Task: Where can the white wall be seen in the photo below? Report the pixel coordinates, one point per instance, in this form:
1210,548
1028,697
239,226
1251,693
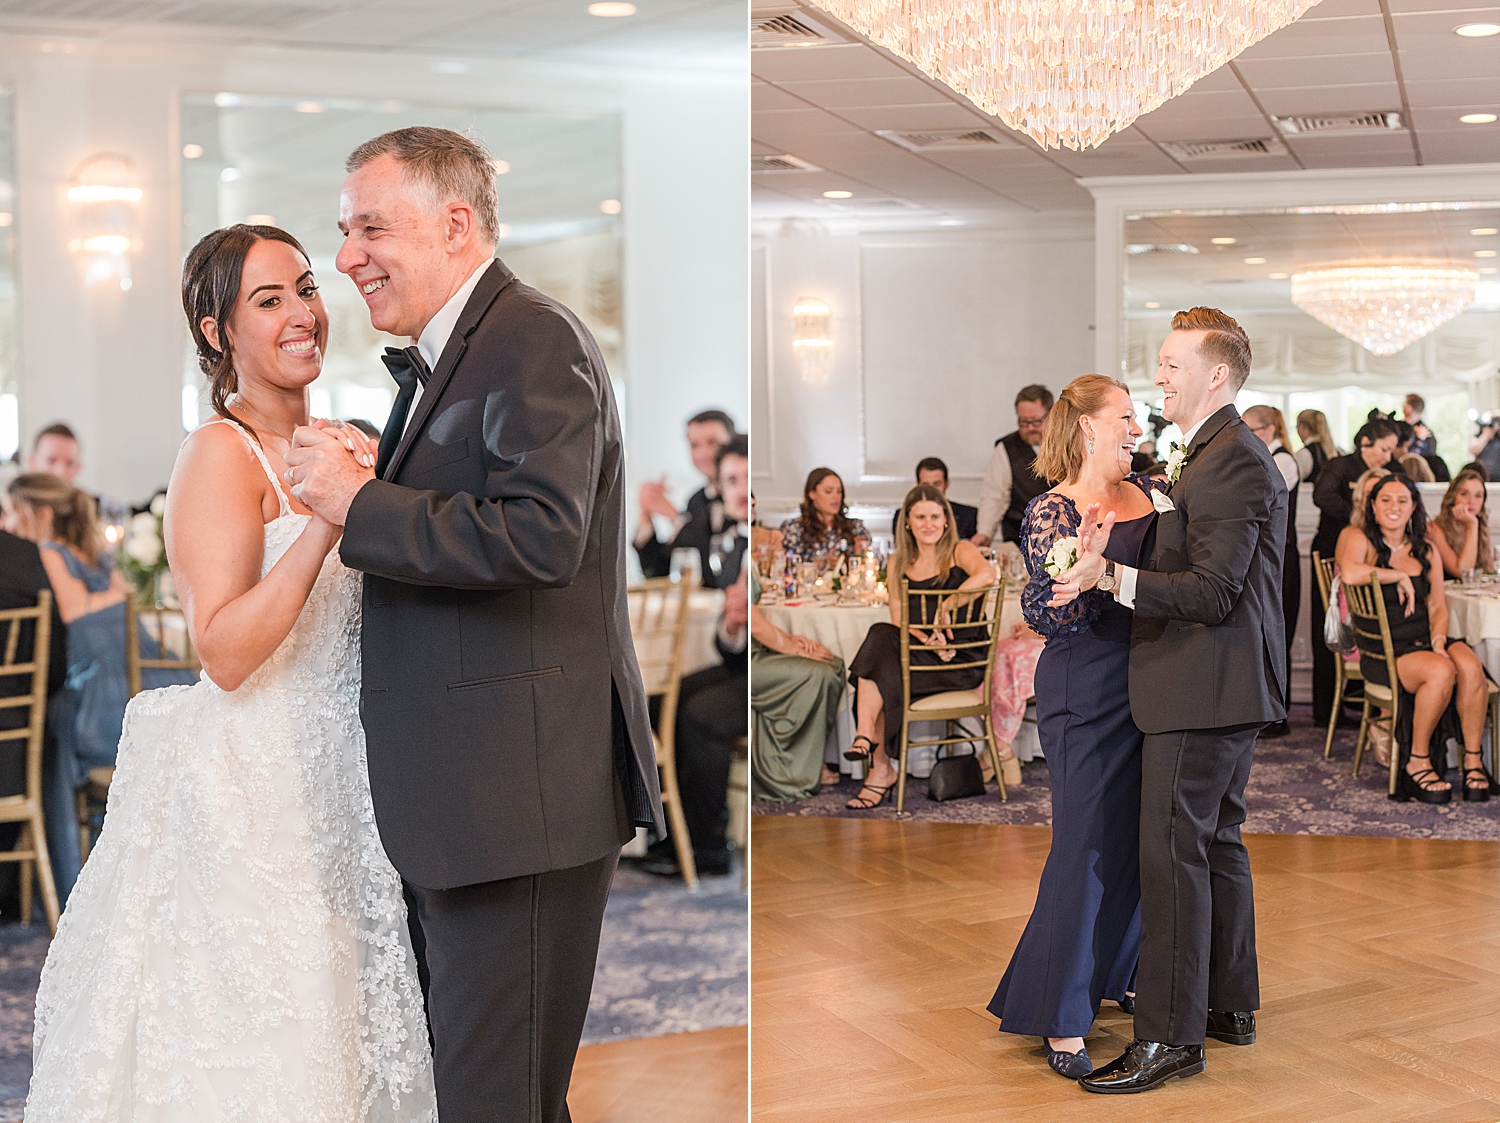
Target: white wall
934,332
110,362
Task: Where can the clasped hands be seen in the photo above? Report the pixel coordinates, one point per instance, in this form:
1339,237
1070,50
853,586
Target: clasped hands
1093,537
327,463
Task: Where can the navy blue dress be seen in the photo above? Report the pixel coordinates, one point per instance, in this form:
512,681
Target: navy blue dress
1081,943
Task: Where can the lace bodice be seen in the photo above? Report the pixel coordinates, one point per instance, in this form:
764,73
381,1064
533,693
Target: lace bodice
1048,517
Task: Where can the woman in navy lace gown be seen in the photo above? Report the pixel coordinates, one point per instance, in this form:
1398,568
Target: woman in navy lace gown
1081,943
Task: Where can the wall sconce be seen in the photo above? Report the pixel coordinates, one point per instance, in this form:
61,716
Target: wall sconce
105,194
812,337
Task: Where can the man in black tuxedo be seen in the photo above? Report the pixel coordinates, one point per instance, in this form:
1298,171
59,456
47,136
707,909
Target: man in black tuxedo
704,517
1207,672
931,470
509,751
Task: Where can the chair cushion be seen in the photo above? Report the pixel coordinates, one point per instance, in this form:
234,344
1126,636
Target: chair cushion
1378,692
948,700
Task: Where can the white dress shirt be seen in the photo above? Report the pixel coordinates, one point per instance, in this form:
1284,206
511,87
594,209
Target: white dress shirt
435,335
1125,574
1287,463
994,494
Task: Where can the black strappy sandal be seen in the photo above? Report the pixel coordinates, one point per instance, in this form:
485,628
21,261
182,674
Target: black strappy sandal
1413,785
860,803
851,754
1476,792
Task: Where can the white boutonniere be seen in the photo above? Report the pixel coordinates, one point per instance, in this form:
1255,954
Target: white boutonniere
1175,461
1062,557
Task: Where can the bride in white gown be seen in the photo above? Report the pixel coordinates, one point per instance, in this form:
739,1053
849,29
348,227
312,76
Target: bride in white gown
236,947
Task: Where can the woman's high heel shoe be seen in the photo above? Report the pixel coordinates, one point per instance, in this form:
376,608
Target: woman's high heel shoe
1476,785
1412,785
853,753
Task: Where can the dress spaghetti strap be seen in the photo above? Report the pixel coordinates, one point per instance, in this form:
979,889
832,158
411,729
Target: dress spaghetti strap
286,506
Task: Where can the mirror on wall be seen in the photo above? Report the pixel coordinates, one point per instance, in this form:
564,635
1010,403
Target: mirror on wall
1348,308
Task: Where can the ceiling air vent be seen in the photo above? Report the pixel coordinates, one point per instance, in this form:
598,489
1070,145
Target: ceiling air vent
783,27
930,139
888,205
1157,247
1340,124
1190,150
785,162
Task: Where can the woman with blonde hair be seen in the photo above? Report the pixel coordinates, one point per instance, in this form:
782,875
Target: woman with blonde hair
930,555
1461,529
1082,941
1317,444
87,714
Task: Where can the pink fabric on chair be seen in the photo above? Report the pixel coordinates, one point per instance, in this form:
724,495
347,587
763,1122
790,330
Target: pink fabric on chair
1014,682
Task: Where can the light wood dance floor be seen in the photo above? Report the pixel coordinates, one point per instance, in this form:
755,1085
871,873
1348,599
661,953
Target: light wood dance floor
678,1078
875,946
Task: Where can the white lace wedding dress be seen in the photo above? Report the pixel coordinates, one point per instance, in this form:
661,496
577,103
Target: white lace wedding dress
236,948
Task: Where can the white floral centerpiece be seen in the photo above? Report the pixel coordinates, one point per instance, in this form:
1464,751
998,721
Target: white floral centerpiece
143,554
1062,557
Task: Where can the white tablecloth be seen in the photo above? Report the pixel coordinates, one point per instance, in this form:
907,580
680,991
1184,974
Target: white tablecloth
1474,617
841,629
698,650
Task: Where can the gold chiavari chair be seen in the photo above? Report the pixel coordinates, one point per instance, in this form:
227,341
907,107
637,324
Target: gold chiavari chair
1372,631
168,626
1345,671
977,609
658,625
26,808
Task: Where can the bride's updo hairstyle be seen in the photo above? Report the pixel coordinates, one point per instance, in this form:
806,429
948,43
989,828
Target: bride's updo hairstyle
211,288
1060,458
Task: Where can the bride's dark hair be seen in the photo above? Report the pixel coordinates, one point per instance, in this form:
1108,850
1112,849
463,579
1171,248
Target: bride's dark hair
210,288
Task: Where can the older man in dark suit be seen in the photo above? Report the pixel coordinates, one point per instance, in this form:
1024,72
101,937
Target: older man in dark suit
1207,673
509,750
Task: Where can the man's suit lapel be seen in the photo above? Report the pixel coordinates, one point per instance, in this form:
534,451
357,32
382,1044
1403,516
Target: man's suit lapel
495,279
1206,432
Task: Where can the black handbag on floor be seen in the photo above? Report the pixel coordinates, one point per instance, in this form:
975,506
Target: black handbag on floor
955,777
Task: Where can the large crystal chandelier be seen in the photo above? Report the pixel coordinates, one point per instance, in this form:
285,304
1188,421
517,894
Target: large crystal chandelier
1068,73
1384,306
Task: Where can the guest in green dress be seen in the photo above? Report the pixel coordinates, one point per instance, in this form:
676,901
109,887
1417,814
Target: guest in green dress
796,689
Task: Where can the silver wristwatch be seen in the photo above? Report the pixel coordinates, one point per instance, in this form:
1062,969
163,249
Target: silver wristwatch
1107,582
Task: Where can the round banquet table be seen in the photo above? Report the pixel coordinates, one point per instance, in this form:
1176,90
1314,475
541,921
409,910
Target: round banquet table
1474,617
841,629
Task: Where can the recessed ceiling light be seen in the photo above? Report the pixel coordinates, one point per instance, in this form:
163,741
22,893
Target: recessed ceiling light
609,8
501,167
838,194
1483,231
1255,261
1222,241
193,151
1277,276
1489,269
1153,304
1484,253
309,107
1477,30
610,206
1478,118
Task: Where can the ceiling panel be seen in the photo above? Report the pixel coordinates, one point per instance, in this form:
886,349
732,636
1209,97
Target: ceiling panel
1327,70
854,93
945,115
1244,127
1305,100
1319,38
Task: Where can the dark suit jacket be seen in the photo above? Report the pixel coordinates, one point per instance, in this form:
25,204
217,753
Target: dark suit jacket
705,518
502,702
1208,643
965,520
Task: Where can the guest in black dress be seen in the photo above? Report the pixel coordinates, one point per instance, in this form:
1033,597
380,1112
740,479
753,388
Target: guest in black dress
1081,943
1434,670
930,555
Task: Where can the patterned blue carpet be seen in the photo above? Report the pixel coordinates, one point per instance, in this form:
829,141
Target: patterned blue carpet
670,961
1292,790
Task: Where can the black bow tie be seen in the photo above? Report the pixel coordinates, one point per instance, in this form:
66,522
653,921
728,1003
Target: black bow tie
406,365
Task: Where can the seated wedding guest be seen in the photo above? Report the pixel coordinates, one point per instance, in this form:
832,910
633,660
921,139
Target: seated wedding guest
711,712
1267,423
22,577
1374,444
1478,468
1434,670
796,690
933,471
1317,444
1417,469
930,555
87,715
56,450
823,529
695,526
1461,529
1010,481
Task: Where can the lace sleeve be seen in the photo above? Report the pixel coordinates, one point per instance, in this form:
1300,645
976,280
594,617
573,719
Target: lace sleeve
1049,517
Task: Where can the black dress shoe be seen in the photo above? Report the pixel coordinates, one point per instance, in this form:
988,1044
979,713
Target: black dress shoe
1143,1066
708,863
1234,1026
1274,730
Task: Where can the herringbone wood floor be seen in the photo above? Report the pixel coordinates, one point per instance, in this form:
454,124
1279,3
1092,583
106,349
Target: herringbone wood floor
679,1078
876,945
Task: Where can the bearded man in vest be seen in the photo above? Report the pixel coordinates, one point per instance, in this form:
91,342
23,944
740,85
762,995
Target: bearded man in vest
1009,481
